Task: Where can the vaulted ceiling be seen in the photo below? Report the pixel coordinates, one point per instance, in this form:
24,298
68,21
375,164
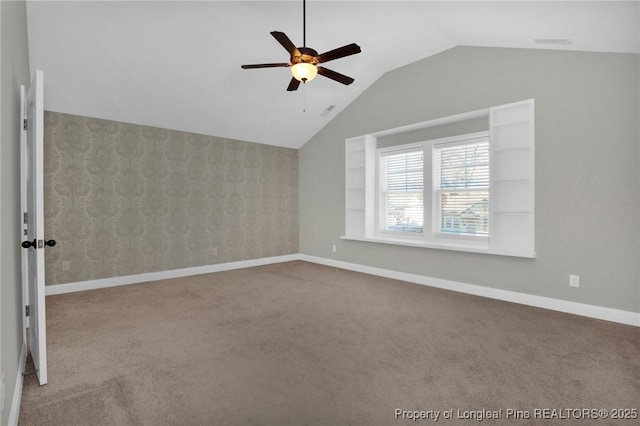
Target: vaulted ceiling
177,64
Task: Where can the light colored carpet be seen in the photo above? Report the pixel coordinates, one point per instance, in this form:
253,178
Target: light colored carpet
298,343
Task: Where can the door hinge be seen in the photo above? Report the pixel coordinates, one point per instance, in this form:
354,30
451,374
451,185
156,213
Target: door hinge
25,216
26,310
24,124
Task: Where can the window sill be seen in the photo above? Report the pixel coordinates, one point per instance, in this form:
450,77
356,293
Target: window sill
442,246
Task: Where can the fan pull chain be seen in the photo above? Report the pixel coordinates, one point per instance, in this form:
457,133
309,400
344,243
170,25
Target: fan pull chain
304,96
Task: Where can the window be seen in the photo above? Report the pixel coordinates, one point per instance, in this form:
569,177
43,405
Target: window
402,188
473,192
461,187
449,191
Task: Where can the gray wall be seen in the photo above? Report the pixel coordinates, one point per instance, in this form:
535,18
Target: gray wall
14,72
587,169
436,132
124,199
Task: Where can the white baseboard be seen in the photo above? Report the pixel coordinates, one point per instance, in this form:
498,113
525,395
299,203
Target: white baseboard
591,311
17,390
582,309
163,275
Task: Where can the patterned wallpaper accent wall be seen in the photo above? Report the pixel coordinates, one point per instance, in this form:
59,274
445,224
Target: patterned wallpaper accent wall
124,199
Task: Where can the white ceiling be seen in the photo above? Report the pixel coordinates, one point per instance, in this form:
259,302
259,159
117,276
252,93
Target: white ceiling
177,64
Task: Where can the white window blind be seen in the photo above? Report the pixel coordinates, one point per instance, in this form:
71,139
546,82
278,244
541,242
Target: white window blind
403,191
461,188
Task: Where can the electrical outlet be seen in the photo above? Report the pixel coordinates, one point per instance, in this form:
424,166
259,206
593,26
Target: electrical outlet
214,251
66,265
574,280
333,248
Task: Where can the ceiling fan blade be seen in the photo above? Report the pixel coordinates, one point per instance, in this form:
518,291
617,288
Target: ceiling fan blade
286,43
340,52
340,78
293,85
248,67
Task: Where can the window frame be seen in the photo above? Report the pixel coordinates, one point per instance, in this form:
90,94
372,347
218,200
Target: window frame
460,140
430,234
380,205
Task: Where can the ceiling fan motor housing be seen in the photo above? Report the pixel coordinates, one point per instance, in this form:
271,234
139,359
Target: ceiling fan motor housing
307,55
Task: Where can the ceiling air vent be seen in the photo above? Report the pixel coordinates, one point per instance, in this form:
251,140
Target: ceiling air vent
556,41
328,110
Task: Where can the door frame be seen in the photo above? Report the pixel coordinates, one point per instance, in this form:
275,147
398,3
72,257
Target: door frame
23,210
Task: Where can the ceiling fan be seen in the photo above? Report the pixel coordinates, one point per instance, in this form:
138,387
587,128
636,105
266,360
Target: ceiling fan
304,60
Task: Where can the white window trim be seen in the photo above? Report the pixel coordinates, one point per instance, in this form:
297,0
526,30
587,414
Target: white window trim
453,141
441,245
379,231
430,237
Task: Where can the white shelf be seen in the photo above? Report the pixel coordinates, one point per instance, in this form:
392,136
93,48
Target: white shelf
512,123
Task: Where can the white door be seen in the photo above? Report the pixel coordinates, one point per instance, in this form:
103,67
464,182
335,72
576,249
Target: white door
32,171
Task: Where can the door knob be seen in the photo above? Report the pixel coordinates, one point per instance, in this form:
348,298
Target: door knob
27,244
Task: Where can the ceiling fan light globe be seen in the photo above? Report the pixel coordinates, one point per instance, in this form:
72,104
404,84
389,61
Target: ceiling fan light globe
303,71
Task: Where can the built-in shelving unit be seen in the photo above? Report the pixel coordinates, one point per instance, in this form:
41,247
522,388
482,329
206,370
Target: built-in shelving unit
511,130
359,185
